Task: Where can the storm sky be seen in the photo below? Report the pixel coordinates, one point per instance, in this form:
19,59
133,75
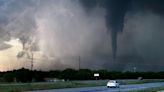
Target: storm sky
104,34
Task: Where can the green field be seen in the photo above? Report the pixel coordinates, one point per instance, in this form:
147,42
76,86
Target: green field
69,84
125,82
29,86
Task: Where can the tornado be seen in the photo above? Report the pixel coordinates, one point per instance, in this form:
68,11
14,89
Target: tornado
115,14
116,11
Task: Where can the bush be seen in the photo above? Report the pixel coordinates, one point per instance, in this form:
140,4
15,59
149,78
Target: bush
9,77
68,74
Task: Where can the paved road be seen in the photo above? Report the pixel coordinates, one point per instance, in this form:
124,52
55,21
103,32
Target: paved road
105,89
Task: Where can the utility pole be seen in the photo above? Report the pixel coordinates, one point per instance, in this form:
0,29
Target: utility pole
79,62
134,69
32,61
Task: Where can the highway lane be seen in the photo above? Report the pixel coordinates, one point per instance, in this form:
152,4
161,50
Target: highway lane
104,88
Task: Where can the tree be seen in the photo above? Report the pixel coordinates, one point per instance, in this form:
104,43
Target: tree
9,77
24,75
84,74
68,74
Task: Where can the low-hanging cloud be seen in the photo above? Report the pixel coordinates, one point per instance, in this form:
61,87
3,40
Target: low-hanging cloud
63,31
59,32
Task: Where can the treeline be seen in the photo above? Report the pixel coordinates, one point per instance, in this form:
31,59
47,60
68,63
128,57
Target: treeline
26,75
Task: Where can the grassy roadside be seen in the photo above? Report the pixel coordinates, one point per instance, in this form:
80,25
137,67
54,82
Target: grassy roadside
125,82
70,84
29,86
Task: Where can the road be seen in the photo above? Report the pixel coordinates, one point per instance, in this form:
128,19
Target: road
105,89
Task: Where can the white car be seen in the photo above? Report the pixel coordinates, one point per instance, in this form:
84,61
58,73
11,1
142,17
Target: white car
113,84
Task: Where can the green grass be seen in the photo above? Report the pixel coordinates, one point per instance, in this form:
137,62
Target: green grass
125,82
27,87
70,84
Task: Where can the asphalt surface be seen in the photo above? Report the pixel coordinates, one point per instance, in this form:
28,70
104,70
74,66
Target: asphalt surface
105,89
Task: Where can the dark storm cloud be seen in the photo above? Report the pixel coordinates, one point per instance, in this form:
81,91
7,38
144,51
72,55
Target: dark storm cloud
116,10
121,14
133,29
4,46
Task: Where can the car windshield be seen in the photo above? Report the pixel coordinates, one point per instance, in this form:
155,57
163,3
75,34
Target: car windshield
112,81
